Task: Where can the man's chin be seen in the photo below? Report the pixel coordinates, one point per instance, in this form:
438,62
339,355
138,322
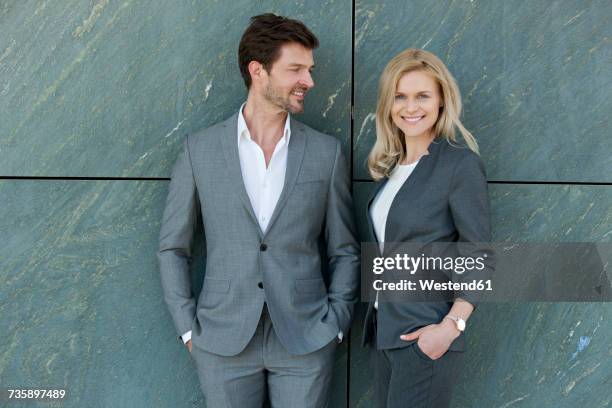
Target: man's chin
296,108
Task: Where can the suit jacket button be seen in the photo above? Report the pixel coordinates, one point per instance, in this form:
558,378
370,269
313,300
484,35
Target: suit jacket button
260,285
263,247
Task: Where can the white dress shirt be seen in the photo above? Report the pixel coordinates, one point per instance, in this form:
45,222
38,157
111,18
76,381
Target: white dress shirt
379,210
263,184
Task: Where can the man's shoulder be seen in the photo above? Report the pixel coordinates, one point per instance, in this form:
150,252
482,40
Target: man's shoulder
215,131
318,138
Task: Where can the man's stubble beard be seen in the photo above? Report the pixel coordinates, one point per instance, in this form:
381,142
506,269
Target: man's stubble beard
271,95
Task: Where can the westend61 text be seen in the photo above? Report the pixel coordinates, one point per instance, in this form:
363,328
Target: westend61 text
431,285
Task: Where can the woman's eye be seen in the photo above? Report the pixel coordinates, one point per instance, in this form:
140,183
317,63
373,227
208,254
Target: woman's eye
400,97
423,96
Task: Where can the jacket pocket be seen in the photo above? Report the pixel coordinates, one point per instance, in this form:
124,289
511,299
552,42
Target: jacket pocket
308,181
216,285
315,285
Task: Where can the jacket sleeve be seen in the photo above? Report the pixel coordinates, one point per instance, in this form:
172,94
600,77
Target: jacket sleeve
469,206
342,245
175,241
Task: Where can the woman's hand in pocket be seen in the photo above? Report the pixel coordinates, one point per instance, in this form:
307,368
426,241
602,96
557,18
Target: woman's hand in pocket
435,339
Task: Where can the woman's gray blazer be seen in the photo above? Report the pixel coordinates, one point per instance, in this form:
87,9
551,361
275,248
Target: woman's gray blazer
444,200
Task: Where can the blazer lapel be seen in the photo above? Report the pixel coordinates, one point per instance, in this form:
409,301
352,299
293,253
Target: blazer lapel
379,185
372,238
295,156
230,151
420,174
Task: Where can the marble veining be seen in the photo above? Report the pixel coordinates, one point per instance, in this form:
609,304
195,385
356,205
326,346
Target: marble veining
530,354
533,79
125,81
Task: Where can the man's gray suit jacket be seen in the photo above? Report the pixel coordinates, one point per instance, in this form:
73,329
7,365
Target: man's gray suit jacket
305,266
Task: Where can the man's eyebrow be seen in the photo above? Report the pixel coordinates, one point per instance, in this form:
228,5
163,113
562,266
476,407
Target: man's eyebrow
296,64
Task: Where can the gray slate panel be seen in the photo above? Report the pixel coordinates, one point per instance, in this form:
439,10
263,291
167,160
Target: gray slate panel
533,78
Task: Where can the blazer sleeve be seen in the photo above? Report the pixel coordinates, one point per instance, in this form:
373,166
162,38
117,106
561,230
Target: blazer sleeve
469,206
342,245
175,241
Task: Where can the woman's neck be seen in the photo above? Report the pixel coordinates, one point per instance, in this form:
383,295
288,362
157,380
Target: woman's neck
416,147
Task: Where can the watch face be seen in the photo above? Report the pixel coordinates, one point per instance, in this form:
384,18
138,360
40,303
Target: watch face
461,324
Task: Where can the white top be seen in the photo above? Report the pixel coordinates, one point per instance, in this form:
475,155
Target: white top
263,184
379,210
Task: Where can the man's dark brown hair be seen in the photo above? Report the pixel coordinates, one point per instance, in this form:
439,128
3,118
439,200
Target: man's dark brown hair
264,37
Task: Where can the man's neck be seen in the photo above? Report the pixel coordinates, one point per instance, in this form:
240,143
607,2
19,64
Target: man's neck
266,122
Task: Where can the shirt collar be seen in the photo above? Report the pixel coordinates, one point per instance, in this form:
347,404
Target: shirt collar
243,130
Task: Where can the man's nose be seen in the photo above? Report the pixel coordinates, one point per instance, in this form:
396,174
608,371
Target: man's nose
307,80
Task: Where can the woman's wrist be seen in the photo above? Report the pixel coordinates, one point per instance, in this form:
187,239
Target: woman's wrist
450,327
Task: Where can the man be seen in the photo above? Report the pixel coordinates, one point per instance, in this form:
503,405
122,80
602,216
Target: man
272,194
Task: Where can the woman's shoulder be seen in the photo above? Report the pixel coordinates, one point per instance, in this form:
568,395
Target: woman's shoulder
456,150
459,157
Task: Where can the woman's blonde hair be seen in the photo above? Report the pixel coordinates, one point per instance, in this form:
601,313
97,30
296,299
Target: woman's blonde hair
390,148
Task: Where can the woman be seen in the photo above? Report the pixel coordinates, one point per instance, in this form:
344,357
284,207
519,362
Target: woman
430,189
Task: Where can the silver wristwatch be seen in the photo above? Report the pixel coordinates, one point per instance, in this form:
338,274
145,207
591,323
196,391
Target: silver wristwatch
459,322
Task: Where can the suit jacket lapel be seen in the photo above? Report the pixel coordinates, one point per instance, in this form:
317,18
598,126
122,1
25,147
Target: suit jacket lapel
420,174
373,238
379,185
230,151
295,156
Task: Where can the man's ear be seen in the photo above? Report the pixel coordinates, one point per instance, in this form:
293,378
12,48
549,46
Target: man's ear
256,70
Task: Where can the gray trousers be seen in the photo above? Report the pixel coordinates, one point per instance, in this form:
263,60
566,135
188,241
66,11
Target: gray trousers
407,378
265,370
